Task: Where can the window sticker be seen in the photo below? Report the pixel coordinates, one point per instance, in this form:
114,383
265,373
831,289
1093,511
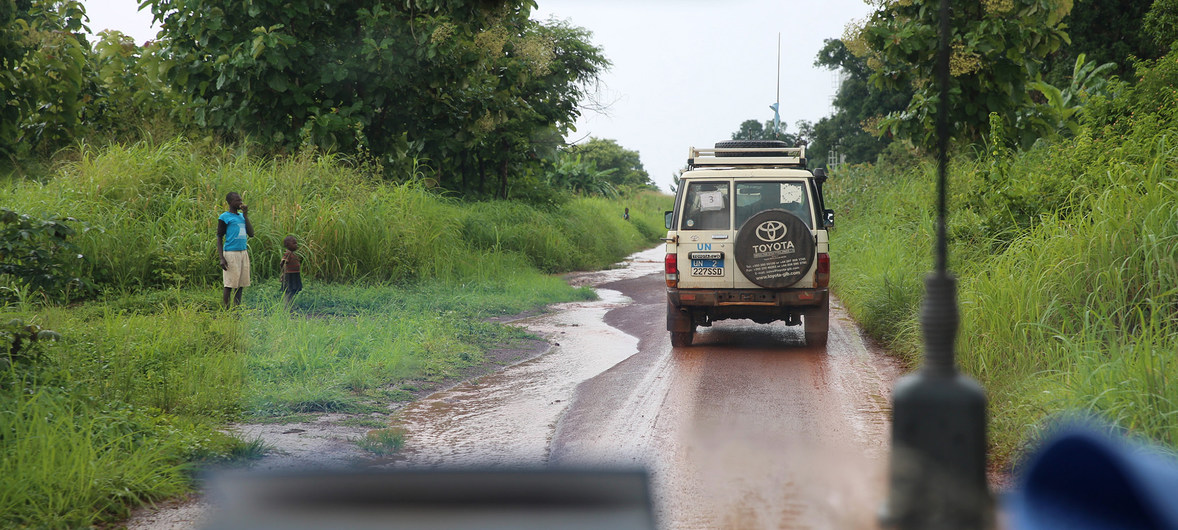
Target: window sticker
791,193
711,201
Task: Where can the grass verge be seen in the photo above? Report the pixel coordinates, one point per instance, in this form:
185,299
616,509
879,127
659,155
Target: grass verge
399,285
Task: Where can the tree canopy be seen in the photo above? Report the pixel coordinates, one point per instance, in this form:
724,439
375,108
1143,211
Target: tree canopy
996,48
625,165
473,88
43,77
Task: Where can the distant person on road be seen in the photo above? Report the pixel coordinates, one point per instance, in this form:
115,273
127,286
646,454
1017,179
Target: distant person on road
233,229
292,280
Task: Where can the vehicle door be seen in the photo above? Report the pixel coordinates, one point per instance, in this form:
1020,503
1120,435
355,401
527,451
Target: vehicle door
706,235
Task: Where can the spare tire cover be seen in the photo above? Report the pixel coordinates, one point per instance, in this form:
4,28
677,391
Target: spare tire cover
774,249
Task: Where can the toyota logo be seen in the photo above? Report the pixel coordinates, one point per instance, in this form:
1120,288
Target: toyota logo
770,231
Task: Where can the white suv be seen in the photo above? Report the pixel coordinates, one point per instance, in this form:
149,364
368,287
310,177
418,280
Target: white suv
748,239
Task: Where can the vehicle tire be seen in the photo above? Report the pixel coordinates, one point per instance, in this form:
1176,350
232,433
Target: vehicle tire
757,144
816,323
774,249
681,326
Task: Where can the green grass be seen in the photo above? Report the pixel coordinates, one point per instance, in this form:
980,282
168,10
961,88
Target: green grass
368,423
383,441
1073,308
128,405
151,212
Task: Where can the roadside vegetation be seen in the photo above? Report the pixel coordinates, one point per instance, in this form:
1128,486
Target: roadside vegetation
1067,256
146,368
423,171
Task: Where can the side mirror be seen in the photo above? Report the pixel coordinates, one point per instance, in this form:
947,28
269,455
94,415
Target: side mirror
828,218
667,218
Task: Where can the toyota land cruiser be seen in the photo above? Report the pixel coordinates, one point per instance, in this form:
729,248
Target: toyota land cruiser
748,239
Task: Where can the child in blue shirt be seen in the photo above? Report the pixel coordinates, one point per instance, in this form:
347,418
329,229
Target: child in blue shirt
233,229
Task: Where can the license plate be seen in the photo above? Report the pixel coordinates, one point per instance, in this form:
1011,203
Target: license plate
707,263
707,271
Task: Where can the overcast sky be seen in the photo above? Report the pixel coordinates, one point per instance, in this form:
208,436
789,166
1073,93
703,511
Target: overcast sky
685,72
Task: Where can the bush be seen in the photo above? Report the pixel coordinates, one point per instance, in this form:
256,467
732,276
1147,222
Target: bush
36,254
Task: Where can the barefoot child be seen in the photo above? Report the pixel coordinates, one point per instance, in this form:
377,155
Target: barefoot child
292,281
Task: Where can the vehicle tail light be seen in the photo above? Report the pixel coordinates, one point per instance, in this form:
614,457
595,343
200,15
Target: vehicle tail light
822,273
671,268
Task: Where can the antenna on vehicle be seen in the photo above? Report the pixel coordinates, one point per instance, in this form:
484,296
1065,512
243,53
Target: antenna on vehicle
777,103
938,463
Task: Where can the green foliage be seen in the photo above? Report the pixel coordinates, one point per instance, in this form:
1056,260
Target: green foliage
624,165
582,177
1151,104
71,456
1161,24
1105,32
473,87
71,463
129,100
163,201
22,345
35,254
383,441
850,133
43,57
141,380
1067,256
754,130
1061,111
996,47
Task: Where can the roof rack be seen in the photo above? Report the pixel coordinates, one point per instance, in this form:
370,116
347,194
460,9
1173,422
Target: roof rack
747,156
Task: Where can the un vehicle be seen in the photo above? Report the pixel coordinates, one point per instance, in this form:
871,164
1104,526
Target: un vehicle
748,240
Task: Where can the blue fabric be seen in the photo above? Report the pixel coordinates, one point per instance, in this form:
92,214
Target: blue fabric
235,235
1083,479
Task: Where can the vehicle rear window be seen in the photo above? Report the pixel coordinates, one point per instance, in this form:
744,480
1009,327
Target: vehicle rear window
706,206
755,197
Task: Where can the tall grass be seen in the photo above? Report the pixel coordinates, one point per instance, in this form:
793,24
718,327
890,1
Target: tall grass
152,210
399,283
1073,309
70,464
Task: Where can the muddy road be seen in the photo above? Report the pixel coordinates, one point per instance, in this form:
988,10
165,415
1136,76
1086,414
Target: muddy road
749,428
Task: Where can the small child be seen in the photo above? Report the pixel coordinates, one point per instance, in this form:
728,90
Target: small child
292,281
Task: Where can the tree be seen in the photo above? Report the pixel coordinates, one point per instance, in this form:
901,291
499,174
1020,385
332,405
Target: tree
851,132
470,85
997,46
606,155
43,58
128,94
572,173
1105,31
755,130
1160,24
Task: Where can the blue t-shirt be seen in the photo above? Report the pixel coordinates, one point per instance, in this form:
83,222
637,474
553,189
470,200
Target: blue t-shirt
235,234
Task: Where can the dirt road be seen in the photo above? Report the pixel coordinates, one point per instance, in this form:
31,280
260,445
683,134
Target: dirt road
749,428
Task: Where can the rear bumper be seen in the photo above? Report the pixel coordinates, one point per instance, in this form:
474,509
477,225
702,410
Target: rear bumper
749,298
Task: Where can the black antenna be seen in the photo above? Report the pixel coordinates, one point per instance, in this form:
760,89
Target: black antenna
937,476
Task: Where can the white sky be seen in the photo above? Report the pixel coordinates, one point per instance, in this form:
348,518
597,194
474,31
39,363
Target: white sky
685,72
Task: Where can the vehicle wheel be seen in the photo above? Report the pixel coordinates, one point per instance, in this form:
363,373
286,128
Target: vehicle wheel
774,249
681,326
816,322
756,144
